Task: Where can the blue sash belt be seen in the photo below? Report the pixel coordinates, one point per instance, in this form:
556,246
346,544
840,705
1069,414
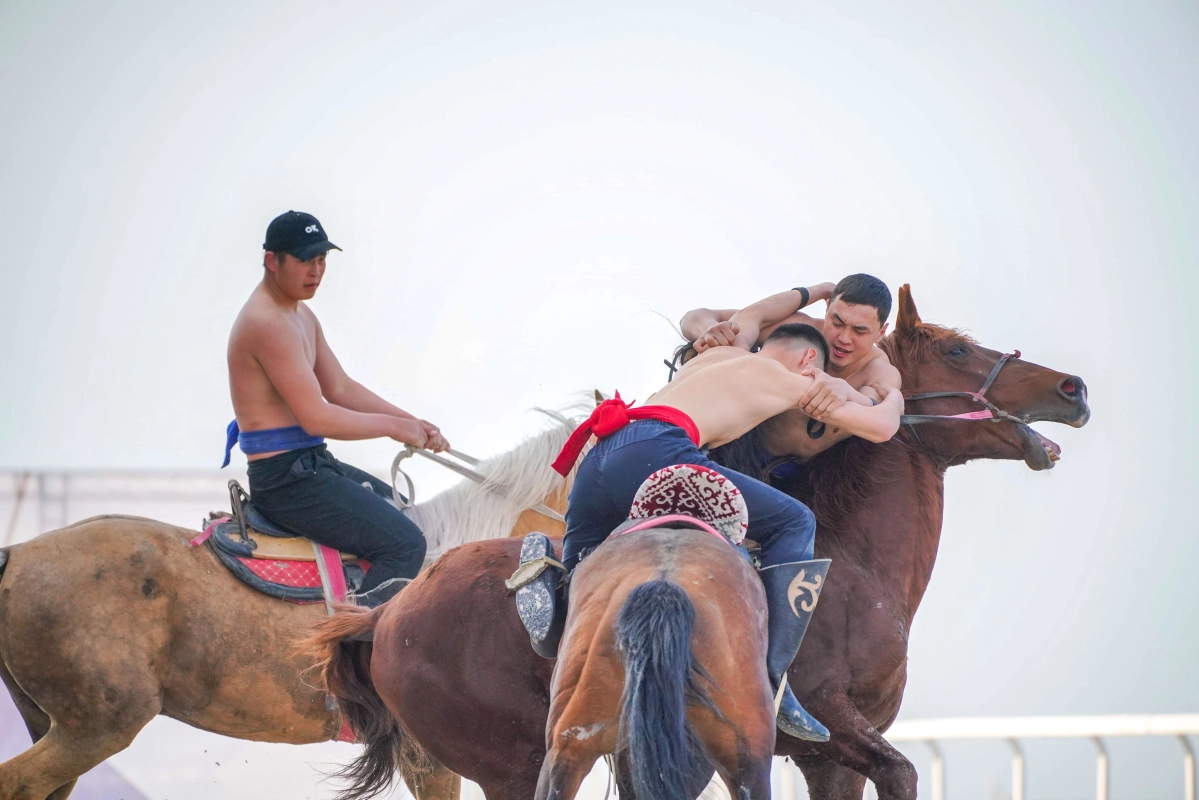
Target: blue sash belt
267,441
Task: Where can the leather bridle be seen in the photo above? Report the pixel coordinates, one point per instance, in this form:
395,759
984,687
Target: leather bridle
990,412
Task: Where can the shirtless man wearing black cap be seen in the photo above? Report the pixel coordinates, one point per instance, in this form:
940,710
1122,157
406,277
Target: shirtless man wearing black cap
289,393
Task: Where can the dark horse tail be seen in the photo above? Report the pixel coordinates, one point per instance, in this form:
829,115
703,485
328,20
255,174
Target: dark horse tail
343,667
653,631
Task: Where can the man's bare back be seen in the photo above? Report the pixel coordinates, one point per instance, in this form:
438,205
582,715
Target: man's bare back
727,392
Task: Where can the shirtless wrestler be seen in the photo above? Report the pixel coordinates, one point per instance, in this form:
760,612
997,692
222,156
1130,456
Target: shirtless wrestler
854,321
289,393
715,398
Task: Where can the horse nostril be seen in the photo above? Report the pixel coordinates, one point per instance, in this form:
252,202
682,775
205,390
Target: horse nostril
1073,388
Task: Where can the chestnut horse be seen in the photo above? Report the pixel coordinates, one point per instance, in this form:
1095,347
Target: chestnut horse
469,688
664,659
110,621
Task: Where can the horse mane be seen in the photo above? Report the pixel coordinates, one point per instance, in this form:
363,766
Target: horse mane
836,482
514,481
917,344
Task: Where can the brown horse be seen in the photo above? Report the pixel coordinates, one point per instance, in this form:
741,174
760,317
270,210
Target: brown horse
111,621
469,688
664,659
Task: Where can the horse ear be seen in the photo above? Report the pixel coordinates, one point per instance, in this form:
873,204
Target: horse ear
599,397
908,317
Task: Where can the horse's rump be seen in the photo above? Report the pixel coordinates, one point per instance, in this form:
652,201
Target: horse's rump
663,660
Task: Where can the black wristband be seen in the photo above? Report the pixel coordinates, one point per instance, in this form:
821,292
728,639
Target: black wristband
803,294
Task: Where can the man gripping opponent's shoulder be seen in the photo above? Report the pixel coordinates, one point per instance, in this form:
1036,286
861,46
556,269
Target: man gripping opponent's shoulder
715,398
854,322
290,392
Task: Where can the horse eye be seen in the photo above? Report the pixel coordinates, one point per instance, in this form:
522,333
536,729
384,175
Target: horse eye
957,351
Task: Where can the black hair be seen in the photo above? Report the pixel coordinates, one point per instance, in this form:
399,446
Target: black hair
803,333
865,290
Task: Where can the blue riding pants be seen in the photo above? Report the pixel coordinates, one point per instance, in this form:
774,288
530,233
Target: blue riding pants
613,471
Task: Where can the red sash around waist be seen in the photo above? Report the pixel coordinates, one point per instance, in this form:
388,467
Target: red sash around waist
609,417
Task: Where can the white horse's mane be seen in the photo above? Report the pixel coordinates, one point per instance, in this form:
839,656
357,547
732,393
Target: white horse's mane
515,481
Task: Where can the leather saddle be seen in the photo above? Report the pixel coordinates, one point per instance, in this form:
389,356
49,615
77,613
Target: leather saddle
270,558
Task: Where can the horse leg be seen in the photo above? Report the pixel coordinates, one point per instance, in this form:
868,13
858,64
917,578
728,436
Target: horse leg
38,725
49,768
750,782
831,781
438,783
519,786
64,750
743,760
856,744
36,722
562,772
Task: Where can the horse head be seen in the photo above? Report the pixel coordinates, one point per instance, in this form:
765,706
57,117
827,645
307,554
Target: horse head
947,375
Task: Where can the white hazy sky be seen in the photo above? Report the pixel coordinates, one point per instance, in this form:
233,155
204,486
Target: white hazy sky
522,189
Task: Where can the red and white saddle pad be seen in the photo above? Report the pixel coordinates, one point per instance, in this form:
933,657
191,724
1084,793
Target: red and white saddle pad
697,492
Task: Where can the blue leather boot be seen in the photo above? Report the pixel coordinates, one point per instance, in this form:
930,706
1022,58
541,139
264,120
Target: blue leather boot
540,600
791,594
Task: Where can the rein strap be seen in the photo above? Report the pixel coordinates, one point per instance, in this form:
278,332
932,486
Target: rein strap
464,471
992,413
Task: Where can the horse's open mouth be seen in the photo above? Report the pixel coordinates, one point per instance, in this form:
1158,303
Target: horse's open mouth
1039,452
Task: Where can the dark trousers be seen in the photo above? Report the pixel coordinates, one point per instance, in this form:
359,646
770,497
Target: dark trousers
313,494
614,470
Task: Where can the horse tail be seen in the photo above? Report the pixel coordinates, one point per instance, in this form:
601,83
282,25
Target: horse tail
343,667
653,631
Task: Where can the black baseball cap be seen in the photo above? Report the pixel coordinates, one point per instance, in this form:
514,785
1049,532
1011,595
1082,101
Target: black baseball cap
299,234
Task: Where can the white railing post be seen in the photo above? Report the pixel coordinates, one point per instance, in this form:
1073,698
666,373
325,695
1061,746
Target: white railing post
788,789
1188,769
1015,730
938,770
1101,771
1017,770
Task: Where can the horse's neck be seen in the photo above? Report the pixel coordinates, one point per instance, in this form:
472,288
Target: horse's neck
895,529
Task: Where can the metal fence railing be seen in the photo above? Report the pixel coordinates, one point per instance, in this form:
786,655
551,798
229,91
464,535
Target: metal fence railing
1014,730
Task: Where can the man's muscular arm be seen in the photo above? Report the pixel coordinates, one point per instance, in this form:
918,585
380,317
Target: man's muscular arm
342,390
875,424
708,327
279,349
758,319
828,393
879,372
748,326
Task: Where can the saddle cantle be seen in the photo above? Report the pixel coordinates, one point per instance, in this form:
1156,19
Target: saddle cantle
273,560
